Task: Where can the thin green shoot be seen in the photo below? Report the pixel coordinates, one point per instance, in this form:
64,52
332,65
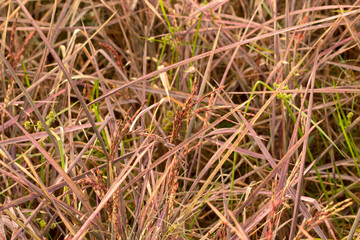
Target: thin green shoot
343,124
262,54
171,28
95,93
63,160
202,204
25,74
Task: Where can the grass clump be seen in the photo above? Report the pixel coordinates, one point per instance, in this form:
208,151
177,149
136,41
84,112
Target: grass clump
179,120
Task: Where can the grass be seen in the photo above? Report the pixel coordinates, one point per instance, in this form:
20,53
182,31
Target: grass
179,120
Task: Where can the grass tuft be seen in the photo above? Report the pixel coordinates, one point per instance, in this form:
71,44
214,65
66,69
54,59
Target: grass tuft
179,120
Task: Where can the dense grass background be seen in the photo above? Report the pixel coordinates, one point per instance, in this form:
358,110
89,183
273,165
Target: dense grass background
159,119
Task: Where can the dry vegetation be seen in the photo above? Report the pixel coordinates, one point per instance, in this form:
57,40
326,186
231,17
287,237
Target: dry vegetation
161,119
